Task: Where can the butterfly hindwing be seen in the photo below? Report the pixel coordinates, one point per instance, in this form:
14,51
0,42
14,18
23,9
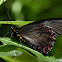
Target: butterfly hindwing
39,36
56,26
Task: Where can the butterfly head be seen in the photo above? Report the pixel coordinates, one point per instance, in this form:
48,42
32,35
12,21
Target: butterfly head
13,29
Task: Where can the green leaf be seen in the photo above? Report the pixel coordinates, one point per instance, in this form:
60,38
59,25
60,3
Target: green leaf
16,22
38,55
57,50
10,53
9,50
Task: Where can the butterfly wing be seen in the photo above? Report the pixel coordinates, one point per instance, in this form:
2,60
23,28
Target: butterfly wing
40,34
56,26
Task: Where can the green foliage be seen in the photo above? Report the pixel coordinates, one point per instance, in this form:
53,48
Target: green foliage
57,50
10,48
16,23
19,11
31,9
15,50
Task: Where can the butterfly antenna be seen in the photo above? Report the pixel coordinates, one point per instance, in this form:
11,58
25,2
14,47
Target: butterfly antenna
9,17
11,24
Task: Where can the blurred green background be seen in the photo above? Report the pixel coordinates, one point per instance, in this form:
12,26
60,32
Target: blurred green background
31,10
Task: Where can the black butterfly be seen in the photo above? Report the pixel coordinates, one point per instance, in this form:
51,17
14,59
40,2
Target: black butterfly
39,35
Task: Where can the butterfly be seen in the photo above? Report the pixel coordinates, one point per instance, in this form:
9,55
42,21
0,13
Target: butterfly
40,35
